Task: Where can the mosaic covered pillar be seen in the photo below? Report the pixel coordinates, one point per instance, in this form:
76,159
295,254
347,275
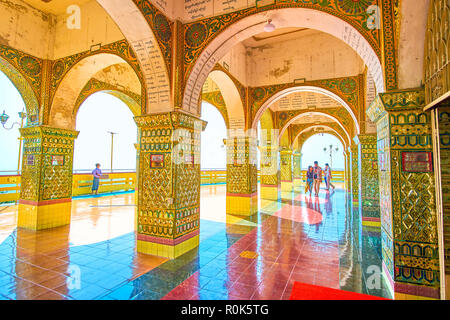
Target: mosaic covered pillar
409,233
297,161
354,170
46,187
287,178
242,176
270,175
348,176
441,151
168,210
369,198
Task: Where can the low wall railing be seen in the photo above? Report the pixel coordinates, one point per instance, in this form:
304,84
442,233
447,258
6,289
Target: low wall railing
115,182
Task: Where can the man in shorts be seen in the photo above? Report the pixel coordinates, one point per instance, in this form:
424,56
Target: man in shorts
317,177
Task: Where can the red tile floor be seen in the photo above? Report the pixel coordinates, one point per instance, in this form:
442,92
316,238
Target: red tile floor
311,240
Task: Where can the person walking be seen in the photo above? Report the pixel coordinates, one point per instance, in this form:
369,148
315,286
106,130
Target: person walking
97,173
328,177
317,177
309,180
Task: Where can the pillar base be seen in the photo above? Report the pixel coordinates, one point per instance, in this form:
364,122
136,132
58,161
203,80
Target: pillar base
167,248
42,215
269,192
406,291
287,186
242,204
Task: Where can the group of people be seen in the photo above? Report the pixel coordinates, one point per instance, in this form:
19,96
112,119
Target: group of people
314,178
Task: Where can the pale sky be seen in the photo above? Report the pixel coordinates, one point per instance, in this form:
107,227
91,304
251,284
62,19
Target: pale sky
313,151
10,101
213,151
102,113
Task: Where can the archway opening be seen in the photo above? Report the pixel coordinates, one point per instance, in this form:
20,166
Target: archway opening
12,104
98,116
317,148
213,165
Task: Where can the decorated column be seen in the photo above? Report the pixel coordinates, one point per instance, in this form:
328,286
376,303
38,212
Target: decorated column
369,202
242,176
168,210
297,159
354,170
270,175
348,175
409,233
440,115
46,186
287,178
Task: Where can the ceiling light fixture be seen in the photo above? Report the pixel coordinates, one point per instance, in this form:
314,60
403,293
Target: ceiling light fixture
269,27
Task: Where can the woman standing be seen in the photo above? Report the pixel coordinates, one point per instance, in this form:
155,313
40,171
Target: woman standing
309,180
97,173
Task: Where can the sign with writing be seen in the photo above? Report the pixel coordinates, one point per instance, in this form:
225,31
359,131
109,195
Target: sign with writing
156,161
374,164
418,161
30,160
57,160
189,159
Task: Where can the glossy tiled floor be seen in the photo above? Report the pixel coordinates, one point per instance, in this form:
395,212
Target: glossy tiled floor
311,240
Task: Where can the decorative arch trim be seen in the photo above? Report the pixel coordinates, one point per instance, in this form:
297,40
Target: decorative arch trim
279,95
131,99
232,98
334,119
209,46
330,131
25,90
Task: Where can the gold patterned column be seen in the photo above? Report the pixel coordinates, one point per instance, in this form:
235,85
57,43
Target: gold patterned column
286,170
348,176
441,151
297,159
270,175
242,176
437,98
46,186
354,170
407,194
369,198
168,211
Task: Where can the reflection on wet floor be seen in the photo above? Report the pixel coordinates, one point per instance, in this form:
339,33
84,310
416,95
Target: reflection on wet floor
299,238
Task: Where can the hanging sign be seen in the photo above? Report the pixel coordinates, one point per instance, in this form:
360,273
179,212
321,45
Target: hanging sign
418,161
156,161
30,160
57,160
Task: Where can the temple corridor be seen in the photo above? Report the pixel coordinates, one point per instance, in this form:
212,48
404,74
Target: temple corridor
311,240
160,149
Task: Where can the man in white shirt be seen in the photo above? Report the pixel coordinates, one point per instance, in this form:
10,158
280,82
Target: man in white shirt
328,177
